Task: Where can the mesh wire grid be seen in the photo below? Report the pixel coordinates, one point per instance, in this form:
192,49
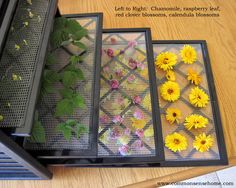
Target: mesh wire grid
14,95
183,104
47,105
123,138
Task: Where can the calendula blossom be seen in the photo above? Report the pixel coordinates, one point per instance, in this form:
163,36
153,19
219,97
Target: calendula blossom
195,121
188,54
198,97
166,61
170,91
194,77
170,75
176,142
173,115
203,143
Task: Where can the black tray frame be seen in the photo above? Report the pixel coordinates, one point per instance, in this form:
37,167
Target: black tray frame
66,153
6,14
215,109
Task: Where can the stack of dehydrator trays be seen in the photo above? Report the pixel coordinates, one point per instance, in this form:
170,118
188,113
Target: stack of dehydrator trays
126,125
100,101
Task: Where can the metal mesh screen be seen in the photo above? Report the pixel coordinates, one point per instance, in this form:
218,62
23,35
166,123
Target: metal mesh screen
55,140
184,105
129,103
19,58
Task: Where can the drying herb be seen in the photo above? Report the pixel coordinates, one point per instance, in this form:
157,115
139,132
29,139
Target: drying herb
71,127
38,132
66,32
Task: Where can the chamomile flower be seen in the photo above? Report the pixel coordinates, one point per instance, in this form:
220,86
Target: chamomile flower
194,77
203,143
198,97
176,142
170,91
195,121
1,118
166,61
188,54
173,115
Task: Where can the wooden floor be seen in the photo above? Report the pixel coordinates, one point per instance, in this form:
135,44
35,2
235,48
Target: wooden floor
220,34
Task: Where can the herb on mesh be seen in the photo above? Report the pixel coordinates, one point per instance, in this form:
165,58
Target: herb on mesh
66,32
38,132
71,127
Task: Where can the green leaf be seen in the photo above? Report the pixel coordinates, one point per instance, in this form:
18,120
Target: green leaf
79,101
80,45
59,23
49,78
65,130
69,78
38,132
66,93
50,59
80,129
73,26
79,34
64,107
74,59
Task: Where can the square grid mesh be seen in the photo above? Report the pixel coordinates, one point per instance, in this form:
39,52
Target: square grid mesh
47,105
14,95
117,139
186,108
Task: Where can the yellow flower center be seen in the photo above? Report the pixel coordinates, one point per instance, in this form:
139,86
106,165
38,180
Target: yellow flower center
176,141
174,114
199,97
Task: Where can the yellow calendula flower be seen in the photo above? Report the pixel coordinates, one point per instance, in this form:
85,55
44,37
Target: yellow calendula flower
1,118
147,102
166,61
194,77
149,132
203,142
198,97
170,75
176,142
170,91
138,123
173,115
188,54
195,121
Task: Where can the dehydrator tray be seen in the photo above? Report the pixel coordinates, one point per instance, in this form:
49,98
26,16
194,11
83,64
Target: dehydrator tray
55,144
128,121
193,63
21,63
